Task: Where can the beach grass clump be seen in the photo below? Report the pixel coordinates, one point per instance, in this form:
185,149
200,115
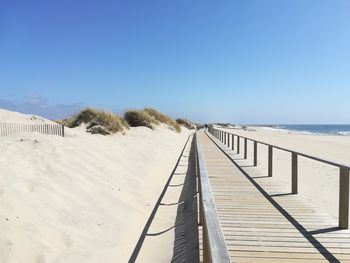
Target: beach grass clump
98,121
186,123
136,118
162,118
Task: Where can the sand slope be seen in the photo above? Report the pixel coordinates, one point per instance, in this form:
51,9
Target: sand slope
82,198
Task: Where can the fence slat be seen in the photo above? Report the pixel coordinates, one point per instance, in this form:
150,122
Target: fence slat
17,128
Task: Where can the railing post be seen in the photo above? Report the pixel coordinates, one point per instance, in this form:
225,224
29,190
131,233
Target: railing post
233,142
255,153
206,252
294,173
225,135
238,144
62,130
270,161
344,198
245,148
228,140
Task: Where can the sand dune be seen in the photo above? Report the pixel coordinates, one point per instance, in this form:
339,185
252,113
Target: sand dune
82,198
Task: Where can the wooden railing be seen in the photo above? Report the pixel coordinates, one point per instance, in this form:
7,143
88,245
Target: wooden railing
344,169
214,246
15,128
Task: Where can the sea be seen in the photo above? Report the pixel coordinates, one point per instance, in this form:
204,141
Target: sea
334,129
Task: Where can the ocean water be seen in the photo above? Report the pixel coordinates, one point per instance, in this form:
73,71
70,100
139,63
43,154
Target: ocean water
338,129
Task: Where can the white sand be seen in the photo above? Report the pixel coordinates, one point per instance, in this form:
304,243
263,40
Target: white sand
173,234
82,198
318,183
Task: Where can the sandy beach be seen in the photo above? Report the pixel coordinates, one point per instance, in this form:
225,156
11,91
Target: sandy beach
81,198
318,182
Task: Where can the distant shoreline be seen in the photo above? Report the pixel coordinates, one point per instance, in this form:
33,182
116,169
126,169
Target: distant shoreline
312,129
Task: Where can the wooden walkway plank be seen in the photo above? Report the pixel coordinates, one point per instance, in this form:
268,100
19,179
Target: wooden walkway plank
260,224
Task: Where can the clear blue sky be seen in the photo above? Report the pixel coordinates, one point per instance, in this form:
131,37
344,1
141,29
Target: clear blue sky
244,61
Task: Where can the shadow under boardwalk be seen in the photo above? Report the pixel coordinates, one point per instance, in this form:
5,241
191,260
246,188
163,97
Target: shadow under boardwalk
173,223
262,225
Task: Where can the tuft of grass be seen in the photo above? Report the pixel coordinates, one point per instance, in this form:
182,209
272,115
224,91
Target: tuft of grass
162,118
186,123
136,118
111,122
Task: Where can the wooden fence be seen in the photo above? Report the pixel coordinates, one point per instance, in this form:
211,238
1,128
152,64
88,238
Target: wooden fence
15,128
214,246
344,169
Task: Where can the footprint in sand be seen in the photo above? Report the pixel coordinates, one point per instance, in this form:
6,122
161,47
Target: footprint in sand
67,240
40,259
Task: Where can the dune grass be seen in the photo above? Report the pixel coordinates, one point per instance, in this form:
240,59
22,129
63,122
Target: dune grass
136,118
111,122
162,118
105,122
186,123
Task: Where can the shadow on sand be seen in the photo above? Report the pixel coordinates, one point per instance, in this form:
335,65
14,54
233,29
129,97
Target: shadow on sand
186,243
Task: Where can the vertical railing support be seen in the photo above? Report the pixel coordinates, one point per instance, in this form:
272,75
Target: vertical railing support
245,148
228,140
255,153
206,252
238,144
270,161
233,142
344,198
294,173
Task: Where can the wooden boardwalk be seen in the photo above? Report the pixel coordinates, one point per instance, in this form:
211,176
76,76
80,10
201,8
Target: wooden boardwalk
260,224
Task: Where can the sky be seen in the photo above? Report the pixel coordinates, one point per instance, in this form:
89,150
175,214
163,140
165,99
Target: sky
246,61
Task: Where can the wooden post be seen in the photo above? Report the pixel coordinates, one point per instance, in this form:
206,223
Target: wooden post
206,252
62,130
294,173
344,198
233,142
255,153
225,135
270,161
245,148
238,144
228,140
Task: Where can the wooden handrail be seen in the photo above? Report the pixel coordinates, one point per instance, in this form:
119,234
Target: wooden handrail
214,246
344,169
320,159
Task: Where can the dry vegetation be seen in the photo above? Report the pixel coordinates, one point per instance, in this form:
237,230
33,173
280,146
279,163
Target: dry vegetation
149,117
186,123
104,122
136,118
98,121
160,117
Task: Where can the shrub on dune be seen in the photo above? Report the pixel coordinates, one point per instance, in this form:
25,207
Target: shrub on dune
136,118
162,118
186,123
98,121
